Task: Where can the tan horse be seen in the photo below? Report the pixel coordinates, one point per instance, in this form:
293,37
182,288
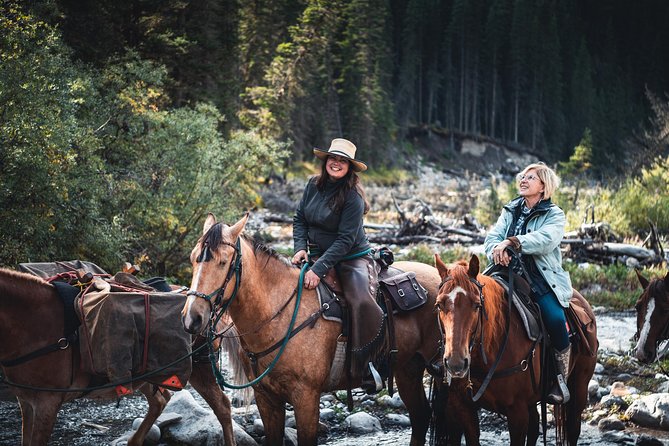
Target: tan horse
31,318
261,304
474,315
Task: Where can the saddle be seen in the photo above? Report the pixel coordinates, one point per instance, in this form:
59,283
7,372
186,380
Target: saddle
580,318
397,292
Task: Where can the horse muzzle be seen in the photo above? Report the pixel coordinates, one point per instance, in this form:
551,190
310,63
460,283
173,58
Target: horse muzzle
644,355
458,368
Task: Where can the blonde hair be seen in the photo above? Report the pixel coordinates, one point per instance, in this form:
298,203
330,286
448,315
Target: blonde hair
547,176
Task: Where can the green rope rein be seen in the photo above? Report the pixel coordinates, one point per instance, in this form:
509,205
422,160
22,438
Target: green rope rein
212,357
210,339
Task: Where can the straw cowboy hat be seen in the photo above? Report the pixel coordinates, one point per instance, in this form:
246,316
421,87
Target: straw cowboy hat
344,148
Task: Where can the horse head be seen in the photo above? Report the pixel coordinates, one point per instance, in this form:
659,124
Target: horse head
216,260
652,317
459,305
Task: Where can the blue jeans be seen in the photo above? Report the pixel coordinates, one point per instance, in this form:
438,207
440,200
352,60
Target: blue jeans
554,319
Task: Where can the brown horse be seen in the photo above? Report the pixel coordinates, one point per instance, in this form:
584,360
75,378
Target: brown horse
473,313
652,318
261,302
31,318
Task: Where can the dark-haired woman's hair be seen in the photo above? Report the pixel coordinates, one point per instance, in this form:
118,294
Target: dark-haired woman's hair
349,182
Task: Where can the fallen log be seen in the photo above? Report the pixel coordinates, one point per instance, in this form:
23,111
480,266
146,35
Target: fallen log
628,250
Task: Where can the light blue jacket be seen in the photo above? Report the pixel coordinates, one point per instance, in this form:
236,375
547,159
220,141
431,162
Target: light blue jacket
545,230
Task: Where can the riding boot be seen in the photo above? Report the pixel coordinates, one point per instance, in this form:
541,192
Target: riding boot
559,393
359,281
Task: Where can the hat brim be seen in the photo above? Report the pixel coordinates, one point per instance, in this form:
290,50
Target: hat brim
357,165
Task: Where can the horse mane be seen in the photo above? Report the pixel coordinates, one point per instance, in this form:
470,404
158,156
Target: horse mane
262,250
8,276
496,308
213,239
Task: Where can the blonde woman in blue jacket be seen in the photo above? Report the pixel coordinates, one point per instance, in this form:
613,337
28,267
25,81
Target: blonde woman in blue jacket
534,226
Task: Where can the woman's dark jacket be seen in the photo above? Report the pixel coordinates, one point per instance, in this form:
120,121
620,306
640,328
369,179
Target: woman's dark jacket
335,235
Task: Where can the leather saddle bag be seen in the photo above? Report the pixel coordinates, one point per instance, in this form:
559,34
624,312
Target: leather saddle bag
404,291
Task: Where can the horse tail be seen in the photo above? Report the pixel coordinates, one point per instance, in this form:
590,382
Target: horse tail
560,415
231,346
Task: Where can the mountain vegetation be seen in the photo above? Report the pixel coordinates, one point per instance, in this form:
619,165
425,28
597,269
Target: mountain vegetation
122,122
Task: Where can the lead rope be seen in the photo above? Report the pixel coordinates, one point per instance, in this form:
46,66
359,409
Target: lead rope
212,352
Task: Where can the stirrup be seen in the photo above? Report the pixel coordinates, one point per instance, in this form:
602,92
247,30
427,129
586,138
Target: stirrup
375,384
561,394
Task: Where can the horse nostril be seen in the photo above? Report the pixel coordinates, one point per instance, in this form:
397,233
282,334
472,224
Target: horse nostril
466,364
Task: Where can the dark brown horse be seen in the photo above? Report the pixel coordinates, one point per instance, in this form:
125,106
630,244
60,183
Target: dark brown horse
474,313
31,318
261,301
652,318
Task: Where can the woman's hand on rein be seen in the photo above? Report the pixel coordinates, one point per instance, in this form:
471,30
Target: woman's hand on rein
299,257
499,254
311,280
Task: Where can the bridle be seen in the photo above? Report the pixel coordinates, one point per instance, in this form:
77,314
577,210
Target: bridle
524,364
215,298
218,306
479,324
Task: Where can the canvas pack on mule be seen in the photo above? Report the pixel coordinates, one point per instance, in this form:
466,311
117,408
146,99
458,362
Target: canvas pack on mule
126,328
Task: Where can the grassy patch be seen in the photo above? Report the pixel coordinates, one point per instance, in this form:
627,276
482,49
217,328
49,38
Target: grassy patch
425,254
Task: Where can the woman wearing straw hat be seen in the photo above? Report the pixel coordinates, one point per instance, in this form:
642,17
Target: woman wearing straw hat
329,224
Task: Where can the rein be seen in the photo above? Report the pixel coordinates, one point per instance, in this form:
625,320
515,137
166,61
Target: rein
220,380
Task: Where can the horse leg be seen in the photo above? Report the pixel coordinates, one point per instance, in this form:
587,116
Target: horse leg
306,417
518,418
462,418
157,400
38,418
409,379
202,380
533,425
273,415
574,409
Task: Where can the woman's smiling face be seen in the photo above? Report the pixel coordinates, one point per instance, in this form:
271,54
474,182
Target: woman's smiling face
530,186
337,166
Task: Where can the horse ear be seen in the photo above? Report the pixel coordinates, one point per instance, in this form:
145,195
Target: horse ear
642,279
238,227
209,222
441,266
473,266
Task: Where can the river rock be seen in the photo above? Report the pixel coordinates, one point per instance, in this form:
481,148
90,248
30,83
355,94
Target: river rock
361,423
198,425
647,440
395,419
394,401
651,410
328,414
593,387
608,401
153,436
